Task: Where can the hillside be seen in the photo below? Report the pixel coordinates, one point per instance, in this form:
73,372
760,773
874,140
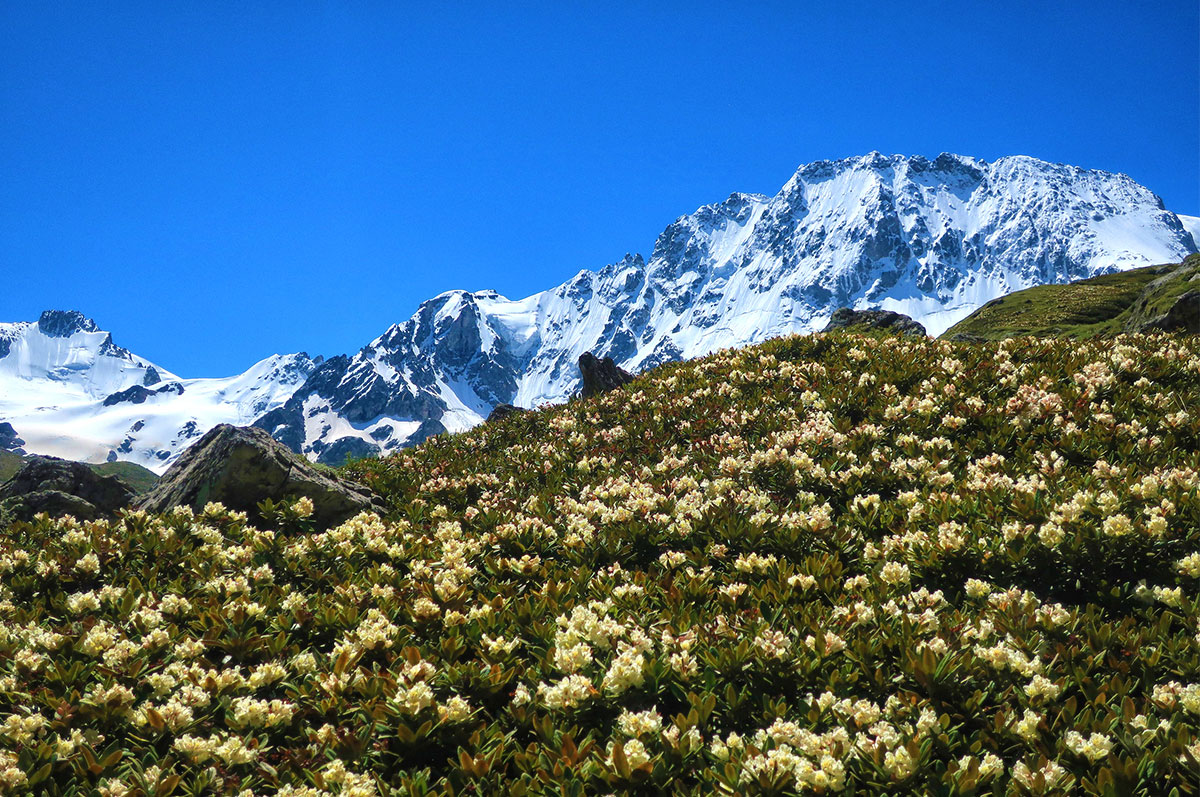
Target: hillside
823,564
139,478
1101,306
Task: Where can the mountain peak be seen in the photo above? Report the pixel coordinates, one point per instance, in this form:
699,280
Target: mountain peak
65,323
930,237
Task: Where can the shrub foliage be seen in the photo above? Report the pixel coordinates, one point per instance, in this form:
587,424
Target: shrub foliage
826,564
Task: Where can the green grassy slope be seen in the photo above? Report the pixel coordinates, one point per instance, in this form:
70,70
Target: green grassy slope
824,564
10,463
1101,306
139,478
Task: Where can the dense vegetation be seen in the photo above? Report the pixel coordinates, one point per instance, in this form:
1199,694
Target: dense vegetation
1102,306
825,564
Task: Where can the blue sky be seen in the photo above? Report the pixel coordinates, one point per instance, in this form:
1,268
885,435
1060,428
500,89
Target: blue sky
218,181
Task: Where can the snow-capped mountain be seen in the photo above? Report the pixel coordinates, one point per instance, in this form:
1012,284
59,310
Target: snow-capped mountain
931,238
68,390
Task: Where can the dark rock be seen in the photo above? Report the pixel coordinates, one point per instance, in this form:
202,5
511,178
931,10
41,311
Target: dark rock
151,377
601,375
65,323
355,391
966,337
1184,316
138,394
59,486
241,466
875,319
9,441
346,448
133,395
501,411
428,428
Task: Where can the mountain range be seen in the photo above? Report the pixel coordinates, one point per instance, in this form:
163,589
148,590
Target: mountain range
934,239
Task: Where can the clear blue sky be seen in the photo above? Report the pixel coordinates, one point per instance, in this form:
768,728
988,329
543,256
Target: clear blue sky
218,181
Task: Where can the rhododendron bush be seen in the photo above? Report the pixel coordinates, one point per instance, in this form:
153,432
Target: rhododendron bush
826,564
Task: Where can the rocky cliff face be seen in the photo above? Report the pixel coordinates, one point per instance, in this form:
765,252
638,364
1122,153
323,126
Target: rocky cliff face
932,239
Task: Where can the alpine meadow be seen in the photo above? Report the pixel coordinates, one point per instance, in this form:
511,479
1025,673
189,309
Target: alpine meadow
599,399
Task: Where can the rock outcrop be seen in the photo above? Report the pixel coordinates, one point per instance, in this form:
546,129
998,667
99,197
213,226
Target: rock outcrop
502,411
137,394
242,466
61,487
898,323
1184,316
601,375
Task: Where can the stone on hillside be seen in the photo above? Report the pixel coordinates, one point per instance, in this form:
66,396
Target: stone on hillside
601,375
502,411
875,319
966,337
241,466
1184,316
61,487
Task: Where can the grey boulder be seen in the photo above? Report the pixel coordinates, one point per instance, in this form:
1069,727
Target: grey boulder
1184,316
61,487
242,466
502,411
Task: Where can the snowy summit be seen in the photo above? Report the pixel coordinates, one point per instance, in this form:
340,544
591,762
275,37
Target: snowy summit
934,239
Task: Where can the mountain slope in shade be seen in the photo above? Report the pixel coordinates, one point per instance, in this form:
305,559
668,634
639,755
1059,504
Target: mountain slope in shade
69,391
934,239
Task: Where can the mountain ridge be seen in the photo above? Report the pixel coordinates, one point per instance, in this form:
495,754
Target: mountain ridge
1147,299
931,238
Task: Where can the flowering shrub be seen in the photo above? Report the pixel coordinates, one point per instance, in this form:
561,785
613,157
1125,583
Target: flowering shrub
825,564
